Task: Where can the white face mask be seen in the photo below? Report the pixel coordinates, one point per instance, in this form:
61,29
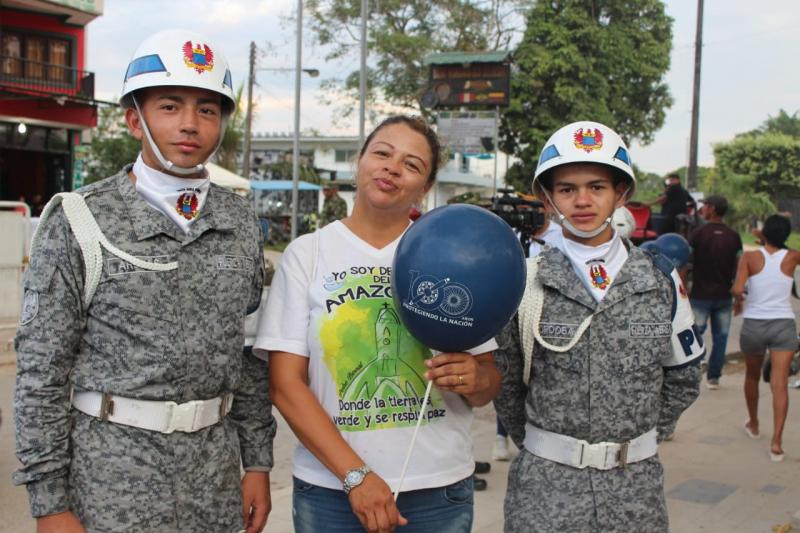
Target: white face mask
181,199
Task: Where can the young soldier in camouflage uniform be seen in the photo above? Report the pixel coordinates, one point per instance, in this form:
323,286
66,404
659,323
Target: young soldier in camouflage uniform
601,359
334,207
135,405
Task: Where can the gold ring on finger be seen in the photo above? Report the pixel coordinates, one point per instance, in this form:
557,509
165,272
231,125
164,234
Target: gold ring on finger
460,380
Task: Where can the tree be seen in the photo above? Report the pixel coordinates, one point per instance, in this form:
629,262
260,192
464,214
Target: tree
782,123
112,147
772,160
602,60
400,34
228,153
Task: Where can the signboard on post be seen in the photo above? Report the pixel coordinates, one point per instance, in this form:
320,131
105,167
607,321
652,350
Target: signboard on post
469,132
468,79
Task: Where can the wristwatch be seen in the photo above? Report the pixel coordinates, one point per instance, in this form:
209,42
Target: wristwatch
353,478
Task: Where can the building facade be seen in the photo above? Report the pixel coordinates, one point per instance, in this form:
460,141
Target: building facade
46,96
334,158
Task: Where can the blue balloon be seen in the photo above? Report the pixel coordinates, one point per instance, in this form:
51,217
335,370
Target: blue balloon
675,247
458,276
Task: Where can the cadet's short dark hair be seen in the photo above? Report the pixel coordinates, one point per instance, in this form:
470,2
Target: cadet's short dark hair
776,230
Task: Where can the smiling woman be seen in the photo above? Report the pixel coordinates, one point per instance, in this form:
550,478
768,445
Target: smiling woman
349,377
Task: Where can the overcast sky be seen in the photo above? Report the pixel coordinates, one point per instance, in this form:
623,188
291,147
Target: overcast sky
750,65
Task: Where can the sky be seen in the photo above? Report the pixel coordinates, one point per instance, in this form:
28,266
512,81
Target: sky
750,68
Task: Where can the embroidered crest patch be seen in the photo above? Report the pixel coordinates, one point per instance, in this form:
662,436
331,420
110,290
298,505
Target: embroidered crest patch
186,206
30,307
599,276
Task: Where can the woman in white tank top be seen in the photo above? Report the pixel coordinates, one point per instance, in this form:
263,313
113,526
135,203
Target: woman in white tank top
762,290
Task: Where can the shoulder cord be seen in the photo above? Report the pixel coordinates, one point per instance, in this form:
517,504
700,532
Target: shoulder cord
530,314
90,239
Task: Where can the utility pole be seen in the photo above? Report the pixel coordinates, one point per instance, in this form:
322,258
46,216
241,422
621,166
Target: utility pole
362,79
296,143
249,116
691,173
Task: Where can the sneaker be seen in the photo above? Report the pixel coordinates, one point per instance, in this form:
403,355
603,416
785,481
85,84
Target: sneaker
478,483
500,449
712,384
482,467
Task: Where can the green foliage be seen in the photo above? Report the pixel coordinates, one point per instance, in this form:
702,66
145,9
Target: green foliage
400,34
112,147
783,123
745,205
228,153
602,60
772,160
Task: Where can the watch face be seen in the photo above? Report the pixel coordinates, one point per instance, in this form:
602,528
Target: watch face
354,477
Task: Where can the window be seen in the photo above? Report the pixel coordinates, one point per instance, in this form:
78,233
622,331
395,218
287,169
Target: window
11,53
38,57
345,156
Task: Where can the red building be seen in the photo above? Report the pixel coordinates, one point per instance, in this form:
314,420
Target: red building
46,95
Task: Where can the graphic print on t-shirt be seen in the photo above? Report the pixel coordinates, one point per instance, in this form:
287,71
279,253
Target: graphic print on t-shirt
375,363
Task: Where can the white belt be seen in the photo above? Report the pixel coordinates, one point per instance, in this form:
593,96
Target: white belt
164,417
580,454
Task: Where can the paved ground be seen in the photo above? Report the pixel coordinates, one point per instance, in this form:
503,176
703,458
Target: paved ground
717,479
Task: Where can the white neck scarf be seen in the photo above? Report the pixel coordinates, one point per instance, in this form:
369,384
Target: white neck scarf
181,199
596,266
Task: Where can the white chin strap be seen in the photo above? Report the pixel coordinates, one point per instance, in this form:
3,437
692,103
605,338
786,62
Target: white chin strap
562,219
169,166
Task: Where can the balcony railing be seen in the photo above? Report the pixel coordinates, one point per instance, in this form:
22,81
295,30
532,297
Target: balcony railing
24,75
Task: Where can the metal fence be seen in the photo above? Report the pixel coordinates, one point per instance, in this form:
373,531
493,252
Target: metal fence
24,75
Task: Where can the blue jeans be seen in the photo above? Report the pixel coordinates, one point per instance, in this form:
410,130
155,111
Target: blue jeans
442,510
720,313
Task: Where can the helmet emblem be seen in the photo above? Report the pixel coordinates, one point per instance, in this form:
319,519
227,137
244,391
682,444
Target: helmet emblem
599,276
186,206
199,57
589,140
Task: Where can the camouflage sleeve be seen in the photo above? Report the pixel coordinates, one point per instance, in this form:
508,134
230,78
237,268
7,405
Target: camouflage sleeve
47,340
252,414
510,401
252,410
679,390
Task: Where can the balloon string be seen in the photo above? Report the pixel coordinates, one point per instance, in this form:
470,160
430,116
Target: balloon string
413,440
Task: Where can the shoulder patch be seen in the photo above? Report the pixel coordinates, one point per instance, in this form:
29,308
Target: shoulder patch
30,307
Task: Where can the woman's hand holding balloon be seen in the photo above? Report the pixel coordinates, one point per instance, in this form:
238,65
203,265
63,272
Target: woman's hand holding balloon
473,376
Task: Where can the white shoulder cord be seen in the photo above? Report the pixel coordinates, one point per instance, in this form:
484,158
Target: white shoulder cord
531,308
90,238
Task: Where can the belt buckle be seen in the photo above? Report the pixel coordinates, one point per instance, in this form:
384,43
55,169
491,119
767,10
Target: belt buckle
181,416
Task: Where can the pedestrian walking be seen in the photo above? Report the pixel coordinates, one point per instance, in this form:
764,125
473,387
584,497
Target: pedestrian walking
761,295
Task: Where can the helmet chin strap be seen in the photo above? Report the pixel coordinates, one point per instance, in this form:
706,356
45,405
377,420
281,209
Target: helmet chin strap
167,165
562,219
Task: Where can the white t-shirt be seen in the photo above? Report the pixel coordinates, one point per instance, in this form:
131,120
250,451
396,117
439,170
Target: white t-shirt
364,367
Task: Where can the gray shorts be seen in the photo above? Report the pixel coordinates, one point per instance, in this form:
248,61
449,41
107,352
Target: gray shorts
759,335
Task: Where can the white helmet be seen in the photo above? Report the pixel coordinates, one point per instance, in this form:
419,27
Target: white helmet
184,59
623,221
586,142
178,58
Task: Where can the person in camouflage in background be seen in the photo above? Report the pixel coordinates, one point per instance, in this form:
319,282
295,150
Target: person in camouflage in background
135,401
600,360
334,207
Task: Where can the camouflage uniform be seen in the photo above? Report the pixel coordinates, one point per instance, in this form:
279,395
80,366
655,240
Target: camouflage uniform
169,336
333,208
610,387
